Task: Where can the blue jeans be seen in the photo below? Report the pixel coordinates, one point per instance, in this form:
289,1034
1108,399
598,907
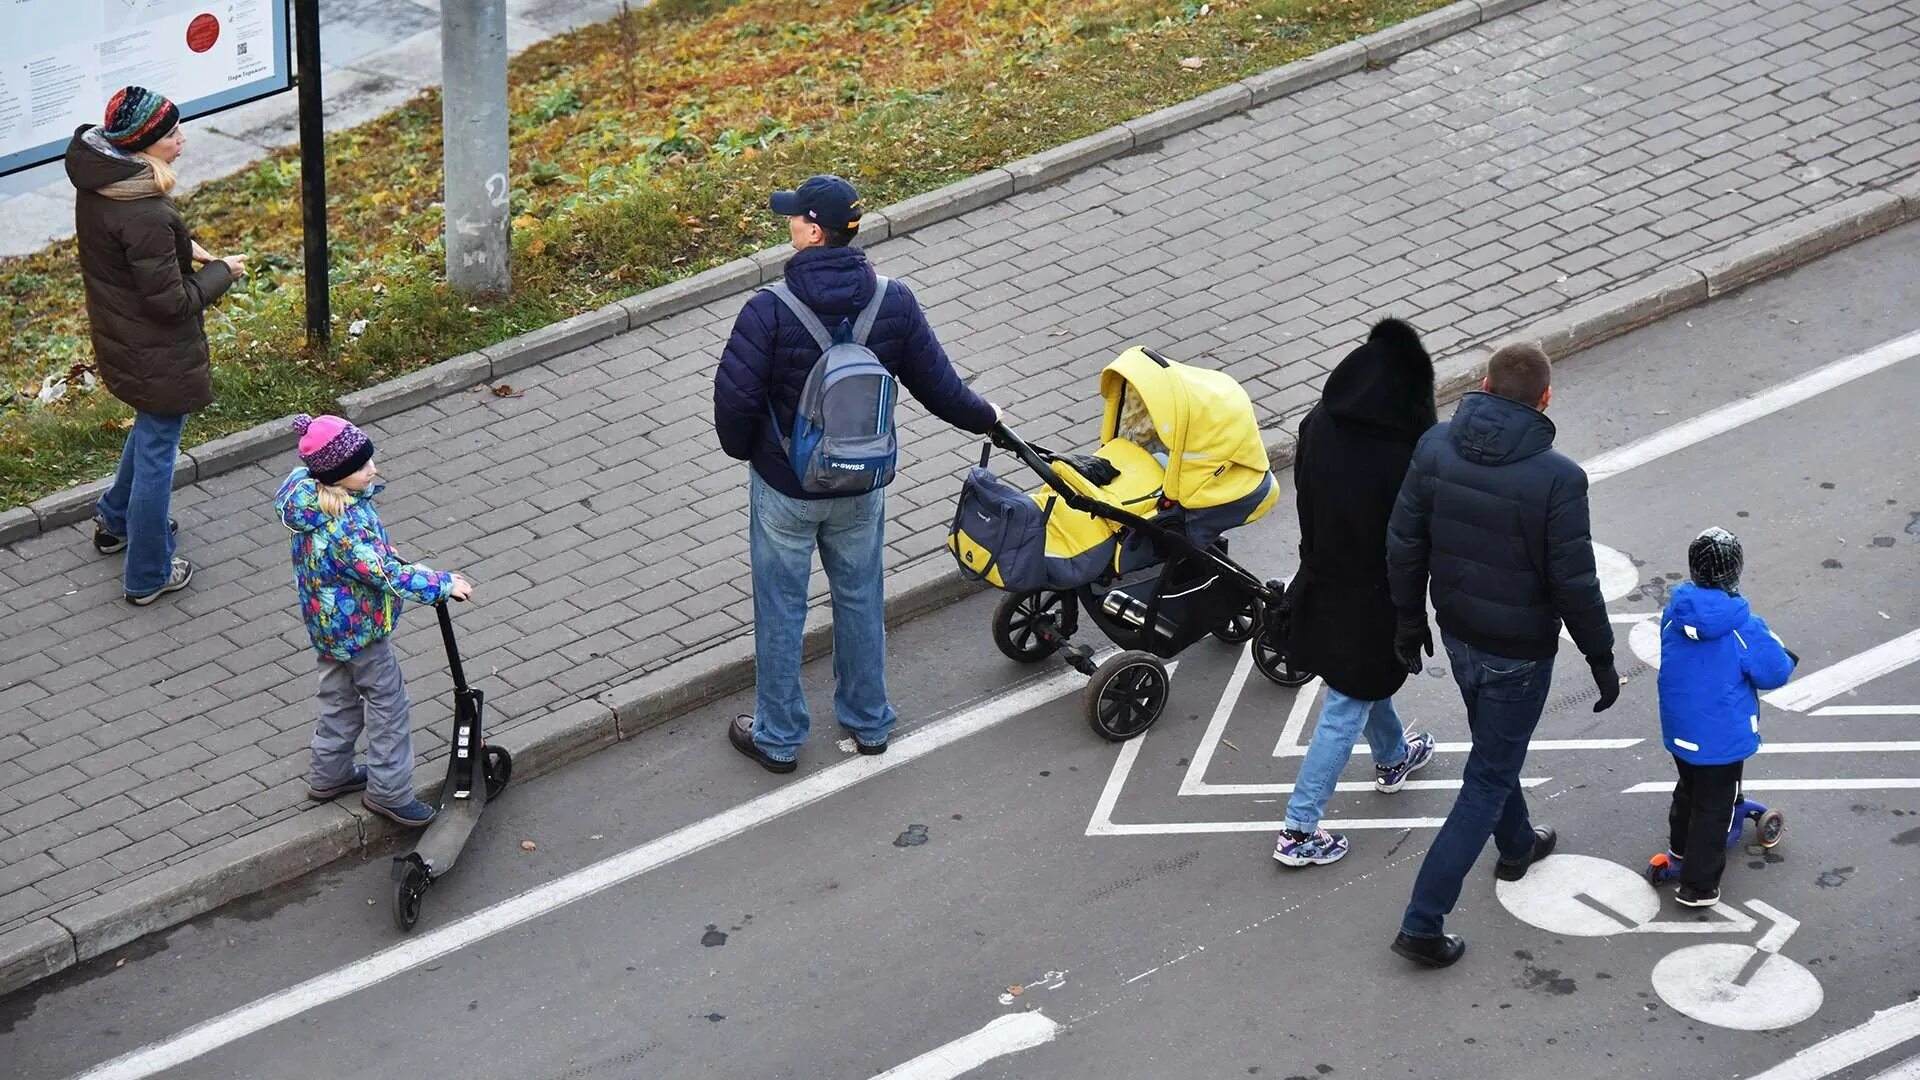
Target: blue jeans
851,535
137,504
1342,719
1504,697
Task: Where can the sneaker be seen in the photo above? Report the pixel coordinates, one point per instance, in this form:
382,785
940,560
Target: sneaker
1391,778
356,781
1434,952
740,734
413,815
1688,896
1544,839
107,543
182,573
870,749
1317,848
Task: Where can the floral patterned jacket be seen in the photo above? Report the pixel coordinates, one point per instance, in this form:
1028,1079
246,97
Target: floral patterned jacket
349,579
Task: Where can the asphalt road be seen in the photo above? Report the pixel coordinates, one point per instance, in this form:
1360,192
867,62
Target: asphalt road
845,935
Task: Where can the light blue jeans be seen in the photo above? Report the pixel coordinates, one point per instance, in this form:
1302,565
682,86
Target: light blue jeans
1342,719
851,535
137,504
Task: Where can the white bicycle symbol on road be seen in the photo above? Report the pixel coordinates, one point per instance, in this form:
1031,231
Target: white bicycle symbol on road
1726,984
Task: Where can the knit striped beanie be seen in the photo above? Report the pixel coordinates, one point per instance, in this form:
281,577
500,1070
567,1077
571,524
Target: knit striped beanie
137,118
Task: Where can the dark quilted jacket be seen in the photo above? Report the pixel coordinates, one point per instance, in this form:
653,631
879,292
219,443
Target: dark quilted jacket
145,300
769,355
1499,519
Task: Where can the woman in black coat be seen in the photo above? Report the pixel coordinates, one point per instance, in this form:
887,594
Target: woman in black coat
1354,449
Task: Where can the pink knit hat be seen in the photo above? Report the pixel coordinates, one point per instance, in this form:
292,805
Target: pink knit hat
332,448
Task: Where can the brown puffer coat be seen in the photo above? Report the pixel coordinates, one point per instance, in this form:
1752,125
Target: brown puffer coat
144,298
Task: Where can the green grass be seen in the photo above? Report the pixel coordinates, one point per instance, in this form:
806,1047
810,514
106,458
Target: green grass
642,151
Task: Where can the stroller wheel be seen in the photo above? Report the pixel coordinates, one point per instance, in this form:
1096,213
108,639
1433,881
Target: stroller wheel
1241,627
1273,663
1031,626
1127,695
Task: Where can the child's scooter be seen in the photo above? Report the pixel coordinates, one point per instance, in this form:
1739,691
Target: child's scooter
476,774
1769,827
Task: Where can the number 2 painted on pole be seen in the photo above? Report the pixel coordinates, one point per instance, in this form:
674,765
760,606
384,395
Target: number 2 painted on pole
497,189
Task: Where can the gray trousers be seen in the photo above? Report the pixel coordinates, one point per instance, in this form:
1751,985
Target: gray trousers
365,692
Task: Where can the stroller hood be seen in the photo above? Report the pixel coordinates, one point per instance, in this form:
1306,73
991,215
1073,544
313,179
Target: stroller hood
1215,453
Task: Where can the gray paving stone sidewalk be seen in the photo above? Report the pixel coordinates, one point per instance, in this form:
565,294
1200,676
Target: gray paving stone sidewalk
1470,186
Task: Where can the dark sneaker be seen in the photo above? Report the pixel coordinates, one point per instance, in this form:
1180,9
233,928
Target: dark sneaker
1544,838
1317,848
182,573
1391,778
356,782
1688,896
870,749
740,734
414,815
1434,952
106,543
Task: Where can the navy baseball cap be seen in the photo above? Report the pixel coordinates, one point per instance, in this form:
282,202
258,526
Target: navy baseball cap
824,200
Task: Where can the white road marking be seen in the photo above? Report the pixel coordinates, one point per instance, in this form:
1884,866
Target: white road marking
1736,414
1653,787
1830,682
1464,747
1352,785
1894,747
584,882
1888,1029
1868,710
1906,1070
1217,727
1719,984
1005,1035
1188,828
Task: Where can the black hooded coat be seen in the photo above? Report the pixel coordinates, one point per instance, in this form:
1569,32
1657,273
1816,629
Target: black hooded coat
1354,450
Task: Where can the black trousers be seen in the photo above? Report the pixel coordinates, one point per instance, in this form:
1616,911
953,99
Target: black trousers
1700,818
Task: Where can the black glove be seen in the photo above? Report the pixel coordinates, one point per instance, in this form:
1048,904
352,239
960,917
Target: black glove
1096,469
1409,637
1606,680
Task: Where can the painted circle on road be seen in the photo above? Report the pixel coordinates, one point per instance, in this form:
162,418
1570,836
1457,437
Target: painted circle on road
1566,894
1644,639
1700,981
202,32
1618,575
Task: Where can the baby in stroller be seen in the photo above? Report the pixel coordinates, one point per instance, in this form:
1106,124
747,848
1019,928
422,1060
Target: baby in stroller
1133,535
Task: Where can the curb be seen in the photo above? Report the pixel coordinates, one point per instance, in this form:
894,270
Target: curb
983,189
312,838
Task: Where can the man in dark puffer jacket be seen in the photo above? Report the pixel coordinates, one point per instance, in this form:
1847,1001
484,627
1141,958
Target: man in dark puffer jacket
1499,519
762,371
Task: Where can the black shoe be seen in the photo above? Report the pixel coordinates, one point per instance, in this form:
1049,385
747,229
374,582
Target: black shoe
106,543
1434,952
869,749
740,734
1543,840
1688,896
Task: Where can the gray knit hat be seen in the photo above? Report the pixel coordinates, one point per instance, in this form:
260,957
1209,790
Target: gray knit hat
1715,560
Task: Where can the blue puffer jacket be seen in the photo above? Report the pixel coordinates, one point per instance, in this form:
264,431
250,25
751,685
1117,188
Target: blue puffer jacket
1715,657
770,353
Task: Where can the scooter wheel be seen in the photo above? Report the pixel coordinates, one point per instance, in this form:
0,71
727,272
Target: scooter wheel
1773,826
406,896
499,770
1656,871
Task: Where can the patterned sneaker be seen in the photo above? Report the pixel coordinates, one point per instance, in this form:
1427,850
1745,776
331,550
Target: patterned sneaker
1317,848
1391,778
107,543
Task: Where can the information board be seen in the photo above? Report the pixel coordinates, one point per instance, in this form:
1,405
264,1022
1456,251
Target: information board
65,58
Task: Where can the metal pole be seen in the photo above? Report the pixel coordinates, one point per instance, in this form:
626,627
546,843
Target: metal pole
313,169
473,110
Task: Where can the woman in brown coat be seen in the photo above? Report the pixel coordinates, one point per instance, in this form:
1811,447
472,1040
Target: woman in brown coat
144,305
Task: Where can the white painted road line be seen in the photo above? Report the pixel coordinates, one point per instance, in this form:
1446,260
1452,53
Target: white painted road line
578,885
1654,787
1898,747
1006,1035
1888,1029
1830,682
1906,1070
1868,710
1463,747
1351,785
1186,828
1739,413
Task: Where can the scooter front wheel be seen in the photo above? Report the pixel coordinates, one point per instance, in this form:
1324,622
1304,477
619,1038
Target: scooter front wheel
406,895
498,769
1773,825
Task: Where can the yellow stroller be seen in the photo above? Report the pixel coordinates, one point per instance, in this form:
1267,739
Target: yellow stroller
1133,535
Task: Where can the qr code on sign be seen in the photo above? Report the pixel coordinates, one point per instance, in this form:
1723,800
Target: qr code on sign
241,48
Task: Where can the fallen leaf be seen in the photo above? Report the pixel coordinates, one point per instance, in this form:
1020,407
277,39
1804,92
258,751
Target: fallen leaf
1056,333
1229,742
527,845
503,390
1016,989
1192,63
538,246
120,963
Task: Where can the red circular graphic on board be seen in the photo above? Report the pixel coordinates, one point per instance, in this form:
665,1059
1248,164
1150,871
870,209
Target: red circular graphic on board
202,32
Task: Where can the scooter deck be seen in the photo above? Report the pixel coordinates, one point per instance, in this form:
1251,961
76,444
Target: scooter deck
447,834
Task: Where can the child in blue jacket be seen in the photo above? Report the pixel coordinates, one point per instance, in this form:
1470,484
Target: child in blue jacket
1716,655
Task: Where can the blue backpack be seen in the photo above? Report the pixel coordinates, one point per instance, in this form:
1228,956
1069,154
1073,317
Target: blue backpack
843,441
